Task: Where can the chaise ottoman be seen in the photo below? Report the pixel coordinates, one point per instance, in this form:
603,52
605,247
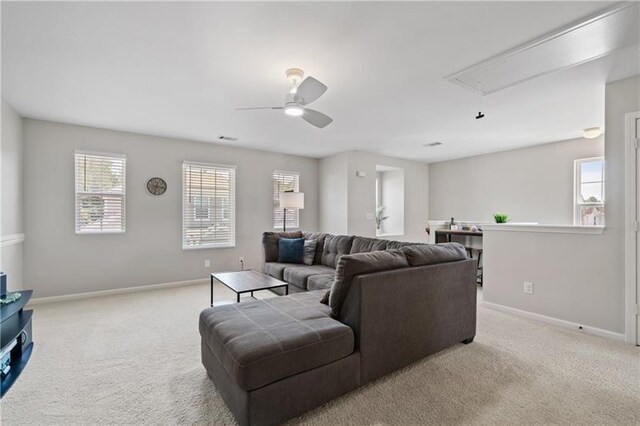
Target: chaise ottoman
276,358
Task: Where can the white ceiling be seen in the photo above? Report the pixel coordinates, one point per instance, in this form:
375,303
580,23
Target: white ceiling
180,69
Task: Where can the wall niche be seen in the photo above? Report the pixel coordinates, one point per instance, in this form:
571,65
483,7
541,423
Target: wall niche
389,201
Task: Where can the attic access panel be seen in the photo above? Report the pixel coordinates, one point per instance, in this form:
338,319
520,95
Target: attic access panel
583,41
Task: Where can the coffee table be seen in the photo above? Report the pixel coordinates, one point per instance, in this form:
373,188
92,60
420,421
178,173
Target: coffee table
247,282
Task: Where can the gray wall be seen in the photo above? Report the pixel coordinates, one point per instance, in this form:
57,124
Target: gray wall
11,226
533,184
574,275
578,278
621,97
59,262
357,195
333,193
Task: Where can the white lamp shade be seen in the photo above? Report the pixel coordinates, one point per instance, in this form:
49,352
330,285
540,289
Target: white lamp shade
292,200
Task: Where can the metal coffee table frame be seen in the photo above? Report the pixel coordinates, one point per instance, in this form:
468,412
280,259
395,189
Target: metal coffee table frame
247,281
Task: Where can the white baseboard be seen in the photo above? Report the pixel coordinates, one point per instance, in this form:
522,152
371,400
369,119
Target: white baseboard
76,296
555,321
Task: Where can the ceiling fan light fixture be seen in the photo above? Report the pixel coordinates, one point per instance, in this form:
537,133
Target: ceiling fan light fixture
294,75
592,132
293,110
301,94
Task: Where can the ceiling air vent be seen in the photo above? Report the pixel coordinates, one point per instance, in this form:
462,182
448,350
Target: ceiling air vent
583,41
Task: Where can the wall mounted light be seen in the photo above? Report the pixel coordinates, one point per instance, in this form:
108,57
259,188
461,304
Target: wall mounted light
592,132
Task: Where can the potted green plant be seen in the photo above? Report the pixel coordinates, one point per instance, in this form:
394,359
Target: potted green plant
379,217
501,218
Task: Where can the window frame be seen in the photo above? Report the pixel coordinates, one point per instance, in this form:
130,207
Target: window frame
577,190
78,194
232,207
295,212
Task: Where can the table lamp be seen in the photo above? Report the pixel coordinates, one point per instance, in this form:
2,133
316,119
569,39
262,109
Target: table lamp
290,200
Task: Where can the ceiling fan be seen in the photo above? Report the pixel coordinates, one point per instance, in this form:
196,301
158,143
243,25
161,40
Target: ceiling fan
302,93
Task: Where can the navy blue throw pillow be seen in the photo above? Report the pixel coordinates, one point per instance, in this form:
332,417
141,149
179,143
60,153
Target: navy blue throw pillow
291,250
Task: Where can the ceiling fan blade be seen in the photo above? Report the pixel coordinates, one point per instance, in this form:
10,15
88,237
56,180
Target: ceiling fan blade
309,90
316,118
252,108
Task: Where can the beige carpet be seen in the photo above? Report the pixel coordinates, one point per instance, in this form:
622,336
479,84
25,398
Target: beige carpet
135,359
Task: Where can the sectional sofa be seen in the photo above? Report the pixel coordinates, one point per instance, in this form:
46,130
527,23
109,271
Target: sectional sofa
276,358
318,276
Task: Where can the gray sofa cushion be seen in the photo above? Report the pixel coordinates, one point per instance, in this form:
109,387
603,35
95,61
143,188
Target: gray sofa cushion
430,254
276,270
318,236
365,245
270,243
298,275
357,264
320,282
310,248
262,341
394,245
334,247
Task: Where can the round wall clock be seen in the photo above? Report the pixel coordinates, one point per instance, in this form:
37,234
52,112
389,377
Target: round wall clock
156,186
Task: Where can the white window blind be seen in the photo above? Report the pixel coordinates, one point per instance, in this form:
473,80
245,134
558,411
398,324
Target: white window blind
100,192
589,191
208,206
285,181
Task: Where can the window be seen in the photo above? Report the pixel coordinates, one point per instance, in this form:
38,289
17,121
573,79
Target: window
589,191
100,193
201,208
208,206
285,181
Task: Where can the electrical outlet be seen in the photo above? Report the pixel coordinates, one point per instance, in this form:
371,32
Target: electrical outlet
528,287
207,263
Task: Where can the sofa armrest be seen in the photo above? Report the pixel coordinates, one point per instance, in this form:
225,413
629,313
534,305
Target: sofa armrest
403,315
269,247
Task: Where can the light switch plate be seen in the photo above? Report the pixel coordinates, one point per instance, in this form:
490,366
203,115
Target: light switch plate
369,216
528,287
